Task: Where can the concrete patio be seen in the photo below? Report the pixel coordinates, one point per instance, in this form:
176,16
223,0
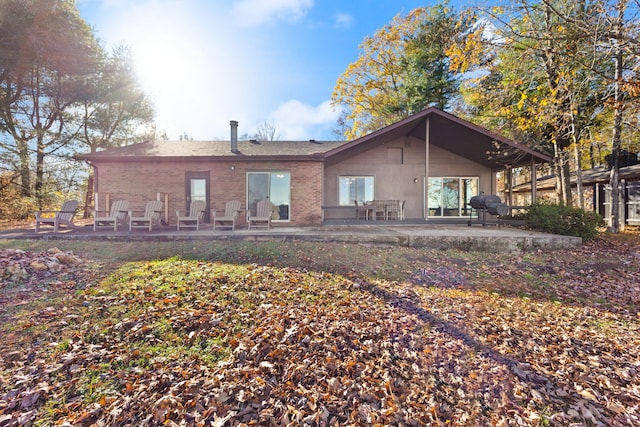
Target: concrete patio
441,236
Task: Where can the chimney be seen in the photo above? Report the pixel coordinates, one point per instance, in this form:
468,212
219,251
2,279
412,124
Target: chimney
234,136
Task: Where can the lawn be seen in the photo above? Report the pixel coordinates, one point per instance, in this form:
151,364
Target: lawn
307,334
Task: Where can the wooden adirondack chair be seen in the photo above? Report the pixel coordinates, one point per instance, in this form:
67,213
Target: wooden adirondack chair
117,214
152,212
195,215
262,218
230,216
57,218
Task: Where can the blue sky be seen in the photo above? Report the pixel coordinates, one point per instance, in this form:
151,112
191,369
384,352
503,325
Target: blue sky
206,62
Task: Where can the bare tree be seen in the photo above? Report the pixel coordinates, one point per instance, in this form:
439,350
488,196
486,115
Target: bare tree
267,131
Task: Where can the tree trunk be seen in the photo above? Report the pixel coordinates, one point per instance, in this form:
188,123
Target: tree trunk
557,166
565,172
563,177
576,154
614,178
39,184
579,187
25,169
88,198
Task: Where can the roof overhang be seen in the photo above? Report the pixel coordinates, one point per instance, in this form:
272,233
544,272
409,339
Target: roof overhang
449,133
589,177
212,159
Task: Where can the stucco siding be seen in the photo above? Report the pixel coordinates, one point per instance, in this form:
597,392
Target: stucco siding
404,180
445,164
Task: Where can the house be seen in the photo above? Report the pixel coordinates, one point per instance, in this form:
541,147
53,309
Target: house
596,191
433,161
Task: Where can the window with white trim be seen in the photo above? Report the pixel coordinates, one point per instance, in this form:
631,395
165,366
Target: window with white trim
355,188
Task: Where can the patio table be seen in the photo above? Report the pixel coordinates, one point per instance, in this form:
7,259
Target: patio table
367,208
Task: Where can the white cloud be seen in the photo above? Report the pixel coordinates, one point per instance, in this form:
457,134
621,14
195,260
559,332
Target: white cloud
344,20
256,12
298,121
200,72
196,73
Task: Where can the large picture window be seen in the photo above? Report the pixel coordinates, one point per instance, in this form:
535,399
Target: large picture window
275,186
450,196
353,188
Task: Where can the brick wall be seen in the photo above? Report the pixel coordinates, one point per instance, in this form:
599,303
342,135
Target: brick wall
141,181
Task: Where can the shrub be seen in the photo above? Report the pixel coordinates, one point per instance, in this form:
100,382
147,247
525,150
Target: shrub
564,220
13,206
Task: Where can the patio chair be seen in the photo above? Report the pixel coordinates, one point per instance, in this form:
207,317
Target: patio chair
230,216
152,212
117,215
379,210
195,215
56,218
262,218
392,209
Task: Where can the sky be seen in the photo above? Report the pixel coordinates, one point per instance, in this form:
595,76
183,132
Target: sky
206,62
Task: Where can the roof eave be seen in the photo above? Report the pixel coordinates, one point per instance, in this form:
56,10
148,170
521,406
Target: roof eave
127,159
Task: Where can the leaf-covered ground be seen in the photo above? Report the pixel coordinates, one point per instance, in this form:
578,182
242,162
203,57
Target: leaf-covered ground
298,334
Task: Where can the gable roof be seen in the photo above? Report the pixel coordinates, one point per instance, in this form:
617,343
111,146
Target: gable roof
450,133
247,150
446,131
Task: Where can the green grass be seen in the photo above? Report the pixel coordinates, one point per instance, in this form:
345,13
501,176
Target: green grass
148,316
172,311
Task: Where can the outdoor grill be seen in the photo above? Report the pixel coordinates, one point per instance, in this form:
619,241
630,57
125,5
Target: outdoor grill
486,204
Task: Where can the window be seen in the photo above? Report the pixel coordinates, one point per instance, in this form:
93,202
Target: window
435,197
352,188
275,186
450,196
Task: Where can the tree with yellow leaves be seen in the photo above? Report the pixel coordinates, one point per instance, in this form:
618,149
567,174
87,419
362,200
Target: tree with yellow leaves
534,83
402,69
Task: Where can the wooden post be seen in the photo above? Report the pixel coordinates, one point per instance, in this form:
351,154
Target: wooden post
534,181
166,207
165,196
509,179
425,185
623,208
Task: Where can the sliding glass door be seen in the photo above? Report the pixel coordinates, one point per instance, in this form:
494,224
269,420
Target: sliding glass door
274,186
448,197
